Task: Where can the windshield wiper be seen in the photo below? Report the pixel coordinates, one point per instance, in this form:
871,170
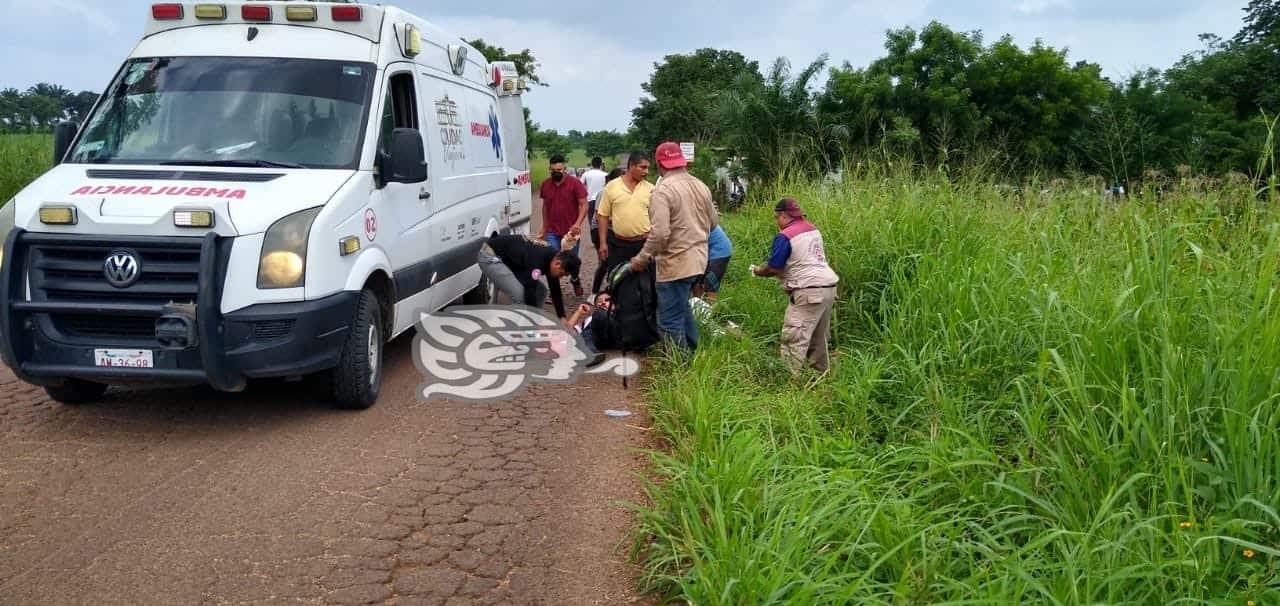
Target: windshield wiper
234,163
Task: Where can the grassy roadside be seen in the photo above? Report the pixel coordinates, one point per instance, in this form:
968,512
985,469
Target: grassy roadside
22,159
1060,400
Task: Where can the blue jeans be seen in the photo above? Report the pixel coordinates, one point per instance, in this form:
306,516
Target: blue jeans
675,317
554,240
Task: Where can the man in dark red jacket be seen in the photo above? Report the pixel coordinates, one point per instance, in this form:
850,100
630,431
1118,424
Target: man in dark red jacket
564,208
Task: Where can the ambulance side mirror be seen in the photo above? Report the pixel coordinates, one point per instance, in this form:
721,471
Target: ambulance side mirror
406,162
63,134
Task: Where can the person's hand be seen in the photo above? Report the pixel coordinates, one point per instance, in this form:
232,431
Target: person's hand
542,235
584,309
638,265
604,252
576,231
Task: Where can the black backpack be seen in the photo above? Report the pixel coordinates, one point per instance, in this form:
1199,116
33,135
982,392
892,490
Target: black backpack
633,320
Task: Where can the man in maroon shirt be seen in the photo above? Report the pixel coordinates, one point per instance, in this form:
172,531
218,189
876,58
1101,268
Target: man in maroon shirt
564,208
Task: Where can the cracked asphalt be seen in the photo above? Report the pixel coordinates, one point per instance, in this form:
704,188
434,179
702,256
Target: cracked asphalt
189,496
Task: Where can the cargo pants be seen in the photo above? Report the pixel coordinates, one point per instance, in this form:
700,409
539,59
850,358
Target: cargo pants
806,329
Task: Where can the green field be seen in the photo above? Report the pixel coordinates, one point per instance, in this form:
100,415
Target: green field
22,159
1058,399
540,170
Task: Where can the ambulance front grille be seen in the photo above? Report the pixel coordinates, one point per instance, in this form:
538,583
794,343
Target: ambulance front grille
75,272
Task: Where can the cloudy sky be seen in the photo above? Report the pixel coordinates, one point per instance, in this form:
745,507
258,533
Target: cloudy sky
596,55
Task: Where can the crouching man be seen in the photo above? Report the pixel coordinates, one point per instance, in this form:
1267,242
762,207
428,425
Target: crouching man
527,270
799,261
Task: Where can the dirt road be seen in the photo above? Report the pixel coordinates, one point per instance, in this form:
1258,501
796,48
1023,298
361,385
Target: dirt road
191,497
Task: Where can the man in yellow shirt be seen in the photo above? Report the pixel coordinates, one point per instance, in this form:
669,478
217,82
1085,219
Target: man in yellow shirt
623,216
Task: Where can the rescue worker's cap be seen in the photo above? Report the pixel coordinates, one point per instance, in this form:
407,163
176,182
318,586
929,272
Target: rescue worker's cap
790,207
670,156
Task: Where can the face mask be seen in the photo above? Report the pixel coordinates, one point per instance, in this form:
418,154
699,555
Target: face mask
558,176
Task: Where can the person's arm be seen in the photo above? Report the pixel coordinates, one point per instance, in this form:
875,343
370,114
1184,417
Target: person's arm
659,230
603,209
604,236
582,214
530,289
777,258
557,299
582,204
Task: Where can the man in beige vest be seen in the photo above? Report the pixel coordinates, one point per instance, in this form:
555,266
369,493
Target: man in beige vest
799,261
681,214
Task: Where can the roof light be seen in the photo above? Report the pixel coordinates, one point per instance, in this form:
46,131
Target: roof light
193,218
346,13
58,215
255,12
300,13
211,11
166,12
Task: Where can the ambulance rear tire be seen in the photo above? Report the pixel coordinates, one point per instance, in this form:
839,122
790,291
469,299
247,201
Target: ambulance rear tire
357,379
75,391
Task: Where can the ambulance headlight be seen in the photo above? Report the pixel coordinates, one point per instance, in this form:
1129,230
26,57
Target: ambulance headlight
6,225
283,263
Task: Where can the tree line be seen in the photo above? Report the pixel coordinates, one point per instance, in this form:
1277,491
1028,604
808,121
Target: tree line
41,107
940,97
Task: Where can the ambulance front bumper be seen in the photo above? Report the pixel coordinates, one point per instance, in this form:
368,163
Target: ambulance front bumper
73,327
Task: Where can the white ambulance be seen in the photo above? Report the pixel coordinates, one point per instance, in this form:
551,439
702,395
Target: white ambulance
265,190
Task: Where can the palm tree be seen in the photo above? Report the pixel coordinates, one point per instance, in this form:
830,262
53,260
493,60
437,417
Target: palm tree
775,123
10,109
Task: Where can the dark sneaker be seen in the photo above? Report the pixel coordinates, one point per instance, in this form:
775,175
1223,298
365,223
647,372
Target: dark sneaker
596,360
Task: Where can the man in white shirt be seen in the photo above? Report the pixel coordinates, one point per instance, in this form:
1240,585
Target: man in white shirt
595,180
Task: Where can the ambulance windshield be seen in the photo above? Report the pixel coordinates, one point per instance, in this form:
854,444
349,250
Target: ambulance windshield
231,111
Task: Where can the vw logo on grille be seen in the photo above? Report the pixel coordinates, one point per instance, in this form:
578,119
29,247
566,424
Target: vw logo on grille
122,269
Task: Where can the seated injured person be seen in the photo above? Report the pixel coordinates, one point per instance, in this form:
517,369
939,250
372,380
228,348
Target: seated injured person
588,319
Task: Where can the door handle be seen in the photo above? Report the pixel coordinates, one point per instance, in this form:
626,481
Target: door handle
424,195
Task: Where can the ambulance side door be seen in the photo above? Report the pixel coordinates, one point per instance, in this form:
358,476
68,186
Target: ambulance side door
403,208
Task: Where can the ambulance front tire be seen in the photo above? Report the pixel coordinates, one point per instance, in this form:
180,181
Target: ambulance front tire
357,379
483,294
75,391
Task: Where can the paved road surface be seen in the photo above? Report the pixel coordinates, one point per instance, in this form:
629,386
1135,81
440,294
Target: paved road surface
194,497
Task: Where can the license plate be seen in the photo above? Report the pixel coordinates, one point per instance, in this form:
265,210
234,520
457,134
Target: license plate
124,358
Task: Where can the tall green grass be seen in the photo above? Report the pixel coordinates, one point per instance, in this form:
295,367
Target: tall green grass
22,159
1051,399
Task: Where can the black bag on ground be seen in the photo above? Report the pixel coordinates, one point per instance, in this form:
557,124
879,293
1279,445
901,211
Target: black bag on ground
633,320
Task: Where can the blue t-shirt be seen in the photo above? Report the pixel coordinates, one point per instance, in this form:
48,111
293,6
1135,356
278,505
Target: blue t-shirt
718,242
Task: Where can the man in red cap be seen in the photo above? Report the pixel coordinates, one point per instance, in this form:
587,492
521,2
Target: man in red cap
681,215
799,261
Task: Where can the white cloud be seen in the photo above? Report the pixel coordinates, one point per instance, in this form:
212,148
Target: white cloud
1035,7
56,10
594,80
